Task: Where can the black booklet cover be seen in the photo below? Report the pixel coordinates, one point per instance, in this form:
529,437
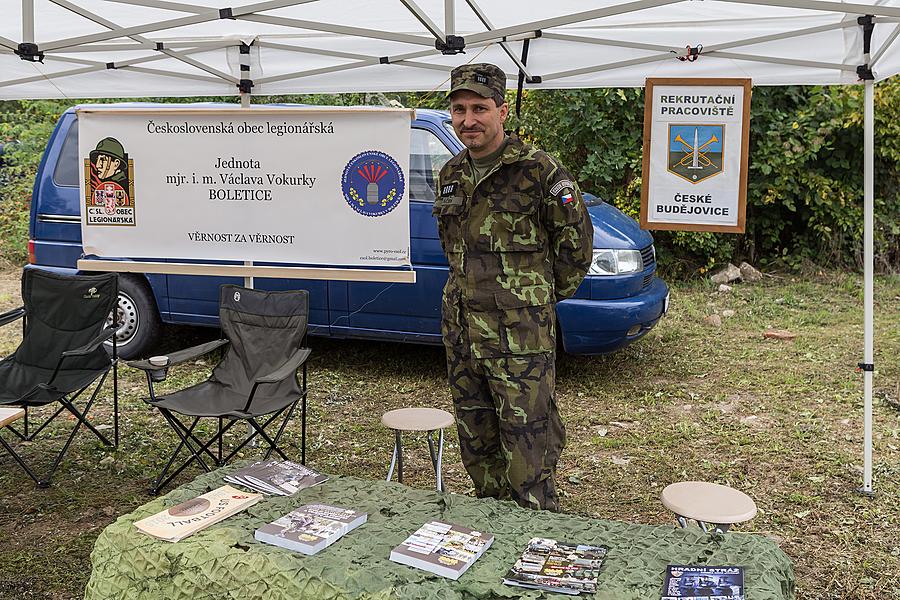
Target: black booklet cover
702,582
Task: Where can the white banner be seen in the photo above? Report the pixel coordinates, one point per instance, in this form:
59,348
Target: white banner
695,154
309,186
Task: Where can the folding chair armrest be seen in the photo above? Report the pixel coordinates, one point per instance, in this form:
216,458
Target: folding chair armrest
12,315
93,344
287,369
181,356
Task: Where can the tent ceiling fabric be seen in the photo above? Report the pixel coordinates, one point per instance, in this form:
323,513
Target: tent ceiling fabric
139,48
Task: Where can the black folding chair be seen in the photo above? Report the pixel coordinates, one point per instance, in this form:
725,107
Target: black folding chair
256,381
61,354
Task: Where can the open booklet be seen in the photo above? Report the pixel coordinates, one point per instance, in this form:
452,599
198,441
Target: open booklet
276,477
557,567
181,520
310,528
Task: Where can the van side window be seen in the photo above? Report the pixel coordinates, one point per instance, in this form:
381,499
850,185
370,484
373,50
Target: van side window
66,171
427,154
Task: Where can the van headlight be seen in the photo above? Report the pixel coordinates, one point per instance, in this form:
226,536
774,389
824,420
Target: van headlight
616,262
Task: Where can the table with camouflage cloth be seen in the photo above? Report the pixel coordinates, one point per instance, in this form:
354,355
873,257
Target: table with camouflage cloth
225,562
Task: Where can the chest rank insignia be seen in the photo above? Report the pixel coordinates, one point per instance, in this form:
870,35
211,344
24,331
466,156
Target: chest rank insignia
449,189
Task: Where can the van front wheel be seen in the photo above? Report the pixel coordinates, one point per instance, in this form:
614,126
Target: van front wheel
136,316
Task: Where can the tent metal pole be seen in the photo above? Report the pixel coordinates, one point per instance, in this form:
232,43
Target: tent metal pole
869,268
28,21
424,19
449,17
829,6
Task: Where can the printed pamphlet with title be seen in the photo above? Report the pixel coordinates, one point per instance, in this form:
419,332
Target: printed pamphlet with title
189,517
276,477
703,582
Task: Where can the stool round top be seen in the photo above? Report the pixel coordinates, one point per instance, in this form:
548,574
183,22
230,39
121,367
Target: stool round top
10,414
708,502
417,419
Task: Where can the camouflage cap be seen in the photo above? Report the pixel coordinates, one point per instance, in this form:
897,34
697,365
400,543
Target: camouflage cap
484,79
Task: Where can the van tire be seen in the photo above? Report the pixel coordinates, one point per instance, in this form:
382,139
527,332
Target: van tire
137,316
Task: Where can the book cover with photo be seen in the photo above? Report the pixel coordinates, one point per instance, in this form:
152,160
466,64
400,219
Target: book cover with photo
561,567
310,528
702,582
182,520
442,548
276,477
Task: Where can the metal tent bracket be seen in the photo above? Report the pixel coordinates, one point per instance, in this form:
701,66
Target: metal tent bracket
30,52
452,44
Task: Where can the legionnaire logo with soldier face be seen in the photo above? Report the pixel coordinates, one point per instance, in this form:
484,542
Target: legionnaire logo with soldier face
109,185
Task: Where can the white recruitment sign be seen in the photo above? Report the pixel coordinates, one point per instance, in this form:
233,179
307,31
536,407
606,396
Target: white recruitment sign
696,140
306,186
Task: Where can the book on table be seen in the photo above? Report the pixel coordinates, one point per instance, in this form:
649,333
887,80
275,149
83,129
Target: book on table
182,520
442,548
276,477
700,582
561,567
310,528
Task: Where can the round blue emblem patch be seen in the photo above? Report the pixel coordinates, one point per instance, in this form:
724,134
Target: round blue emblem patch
373,183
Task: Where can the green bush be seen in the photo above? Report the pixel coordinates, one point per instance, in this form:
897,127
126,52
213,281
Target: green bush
805,190
804,200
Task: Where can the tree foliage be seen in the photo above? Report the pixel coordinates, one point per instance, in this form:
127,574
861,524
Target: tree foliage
805,191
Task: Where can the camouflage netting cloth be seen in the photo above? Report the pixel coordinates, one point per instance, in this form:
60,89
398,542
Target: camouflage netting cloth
225,562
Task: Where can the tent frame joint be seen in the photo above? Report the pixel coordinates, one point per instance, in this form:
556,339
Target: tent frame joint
226,13
245,85
30,51
452,44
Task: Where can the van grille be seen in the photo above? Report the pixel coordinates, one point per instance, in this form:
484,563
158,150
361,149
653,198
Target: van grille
649,257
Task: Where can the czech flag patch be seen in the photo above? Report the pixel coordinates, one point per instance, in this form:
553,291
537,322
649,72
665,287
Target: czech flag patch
566,198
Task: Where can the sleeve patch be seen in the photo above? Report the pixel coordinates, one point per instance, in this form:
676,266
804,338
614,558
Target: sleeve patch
560,186
449,189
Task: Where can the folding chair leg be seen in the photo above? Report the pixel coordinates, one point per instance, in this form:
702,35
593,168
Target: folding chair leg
272,444
115,396
20,461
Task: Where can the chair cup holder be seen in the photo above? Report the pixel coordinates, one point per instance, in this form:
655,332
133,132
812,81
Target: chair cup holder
161,370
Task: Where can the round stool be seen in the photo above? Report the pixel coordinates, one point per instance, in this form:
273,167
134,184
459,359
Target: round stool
428,420
714,507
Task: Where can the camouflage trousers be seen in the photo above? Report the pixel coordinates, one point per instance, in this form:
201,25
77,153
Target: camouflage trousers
510,431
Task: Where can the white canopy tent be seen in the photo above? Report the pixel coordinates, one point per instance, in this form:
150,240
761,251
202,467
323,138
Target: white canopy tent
144,48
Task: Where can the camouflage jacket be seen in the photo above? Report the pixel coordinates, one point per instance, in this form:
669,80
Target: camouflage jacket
517,242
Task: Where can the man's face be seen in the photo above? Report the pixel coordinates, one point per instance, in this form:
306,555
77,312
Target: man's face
107,165
477,121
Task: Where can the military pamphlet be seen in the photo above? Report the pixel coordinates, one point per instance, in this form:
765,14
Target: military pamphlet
442,548
702,582
182,520
310,528
559,567
276,477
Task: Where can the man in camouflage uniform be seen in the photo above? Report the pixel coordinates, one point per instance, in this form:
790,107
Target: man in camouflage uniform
518,239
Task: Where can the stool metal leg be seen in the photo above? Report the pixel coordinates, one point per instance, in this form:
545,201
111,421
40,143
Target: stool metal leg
393,462
440,455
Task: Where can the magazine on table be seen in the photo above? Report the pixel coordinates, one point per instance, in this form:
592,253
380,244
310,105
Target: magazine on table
276,477
702,582
310,528
181,520
442,548
561,567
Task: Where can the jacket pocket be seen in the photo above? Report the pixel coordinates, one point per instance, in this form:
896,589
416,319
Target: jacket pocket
527,320
512,225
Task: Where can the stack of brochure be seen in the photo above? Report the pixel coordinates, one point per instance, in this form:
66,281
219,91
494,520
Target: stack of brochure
276,477
702,582
182,520
558,567
310,528
442,548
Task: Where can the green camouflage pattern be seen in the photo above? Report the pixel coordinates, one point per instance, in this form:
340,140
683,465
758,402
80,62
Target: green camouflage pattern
517,241
485,79
510,431
515,247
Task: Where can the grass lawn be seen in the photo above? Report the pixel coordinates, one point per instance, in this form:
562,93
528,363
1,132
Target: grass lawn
780,420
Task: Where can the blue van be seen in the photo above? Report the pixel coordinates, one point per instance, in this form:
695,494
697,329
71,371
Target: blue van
619,301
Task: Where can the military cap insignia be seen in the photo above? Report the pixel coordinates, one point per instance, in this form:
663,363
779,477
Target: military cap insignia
482,79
